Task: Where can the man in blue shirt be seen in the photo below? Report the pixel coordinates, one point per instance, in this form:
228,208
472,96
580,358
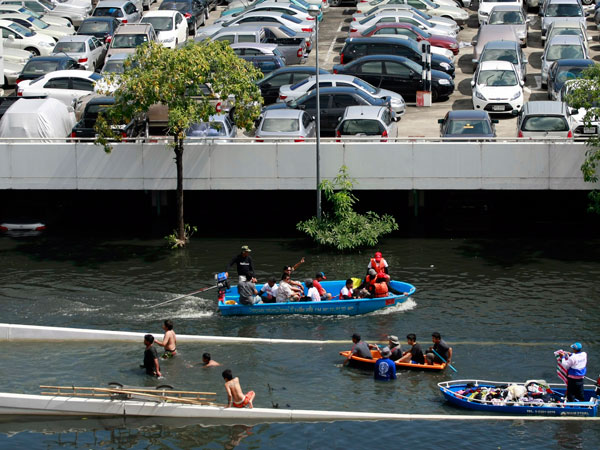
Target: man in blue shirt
385,368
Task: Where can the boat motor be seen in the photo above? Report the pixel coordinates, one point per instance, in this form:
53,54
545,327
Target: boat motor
222,285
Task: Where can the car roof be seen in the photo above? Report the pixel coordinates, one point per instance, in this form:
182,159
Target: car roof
288,69
497,32
102,100
511,45
565,39
287,113
496,65
238,28
100,18
53,57
575,62
335,77
371,39
501,7
565,22
468,114
160,13
260,46
117,56
363,112
335,90
544,107
576,2
69,73
112,3
75,38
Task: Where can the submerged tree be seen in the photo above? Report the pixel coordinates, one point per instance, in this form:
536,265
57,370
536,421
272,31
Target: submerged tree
585,93
173,77
344,228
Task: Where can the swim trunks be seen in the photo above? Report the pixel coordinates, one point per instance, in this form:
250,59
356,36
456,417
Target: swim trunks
246,400
168,354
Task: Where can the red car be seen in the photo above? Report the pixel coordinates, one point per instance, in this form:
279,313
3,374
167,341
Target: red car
411,31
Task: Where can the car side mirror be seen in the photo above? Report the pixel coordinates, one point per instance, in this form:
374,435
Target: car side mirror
495,121
571,111
339,119
313,118
11,37
472,83
525,60
527,20
540,13
440,121
514,112
522,83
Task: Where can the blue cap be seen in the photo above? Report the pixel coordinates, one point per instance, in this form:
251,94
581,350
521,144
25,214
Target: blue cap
320,274
576,346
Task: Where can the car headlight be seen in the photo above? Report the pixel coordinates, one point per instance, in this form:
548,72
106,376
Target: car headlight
47,44
516,96
479,96
483,13
445,65
444,82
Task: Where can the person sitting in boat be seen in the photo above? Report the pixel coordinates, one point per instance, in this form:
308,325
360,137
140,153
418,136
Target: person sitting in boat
385,368
169,341
395,347
285,293
360,349
312,295
320,276
296,285
243,262
441,348
235,395
415,354
575,363
151,363
375,285
268,292
247,290
378,264
347,293
207,361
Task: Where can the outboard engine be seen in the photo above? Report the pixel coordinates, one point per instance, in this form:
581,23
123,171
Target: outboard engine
222,285
598,386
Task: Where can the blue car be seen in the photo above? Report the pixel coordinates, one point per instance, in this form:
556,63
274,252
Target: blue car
563,70
470,124
41,65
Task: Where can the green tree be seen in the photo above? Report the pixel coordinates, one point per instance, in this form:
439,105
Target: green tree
156,74
345,229
585,93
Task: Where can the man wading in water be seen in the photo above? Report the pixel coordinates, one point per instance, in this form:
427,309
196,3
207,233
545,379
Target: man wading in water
169,341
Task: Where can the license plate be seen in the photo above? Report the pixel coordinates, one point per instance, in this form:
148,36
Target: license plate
589,130
497,108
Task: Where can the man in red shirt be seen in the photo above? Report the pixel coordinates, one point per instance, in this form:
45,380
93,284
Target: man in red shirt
316,283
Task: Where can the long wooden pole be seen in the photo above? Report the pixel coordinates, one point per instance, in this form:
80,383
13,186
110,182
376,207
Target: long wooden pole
170,391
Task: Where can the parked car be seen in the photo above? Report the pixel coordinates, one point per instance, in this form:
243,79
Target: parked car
555,9
434,26
102,28
50,19
87,50
468,124
512,15
543,119
267,6
42,119
397,74
506,51
411,31
39,26
488,33
41,65
363,121
294,91
265,63
64,85
368,7
333,103
497,87
567,26
170,26
130,36
75,15
122,10
562,71
287,124
22,227
195,11
405,8
250,50
561,47
19,37
485,6
577,116
270,84
441,8
11,72
219,128
356,47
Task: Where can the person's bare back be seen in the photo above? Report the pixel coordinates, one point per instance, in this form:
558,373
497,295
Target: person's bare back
235,395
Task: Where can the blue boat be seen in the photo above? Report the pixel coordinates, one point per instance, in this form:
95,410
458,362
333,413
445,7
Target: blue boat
230,305
543,400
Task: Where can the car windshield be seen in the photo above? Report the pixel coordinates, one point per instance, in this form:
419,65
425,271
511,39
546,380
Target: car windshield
293,87
288,31
565,32
159,23
367,127
506,17
128,40
284,125
91,112
38,23
203,129
562,10
21,29
93,27
569,73
366,86
115,66
291,18
47,4
108,12
28,12
413,65
69,47
499,54
179,6
497,78
555,52
369,30
469,126
545,123
40,67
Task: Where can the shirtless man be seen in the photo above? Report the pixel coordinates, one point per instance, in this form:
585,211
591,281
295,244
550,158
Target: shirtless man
208,362
169,341
235,396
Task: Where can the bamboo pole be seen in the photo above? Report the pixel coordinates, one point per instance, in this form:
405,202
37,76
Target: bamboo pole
73,388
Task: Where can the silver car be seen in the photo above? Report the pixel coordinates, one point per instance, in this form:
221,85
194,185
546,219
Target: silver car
219,128
556,9
367,121
567,26
75,15
561,47
122,10
543,119
286,124
488,33
88,51
511,15
506,51
249,48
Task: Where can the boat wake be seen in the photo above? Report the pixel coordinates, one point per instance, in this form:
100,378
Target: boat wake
401,307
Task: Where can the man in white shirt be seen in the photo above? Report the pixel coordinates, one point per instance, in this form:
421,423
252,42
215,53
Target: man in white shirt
313,293
575,363
268,292
285,293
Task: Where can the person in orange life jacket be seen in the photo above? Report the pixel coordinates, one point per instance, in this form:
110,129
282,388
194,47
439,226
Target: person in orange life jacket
375,285
316,283
347,292
378,264
575,363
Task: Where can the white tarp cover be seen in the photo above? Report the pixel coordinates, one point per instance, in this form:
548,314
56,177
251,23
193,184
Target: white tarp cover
37,118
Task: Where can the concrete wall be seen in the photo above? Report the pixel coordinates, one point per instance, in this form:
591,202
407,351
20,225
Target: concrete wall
423,165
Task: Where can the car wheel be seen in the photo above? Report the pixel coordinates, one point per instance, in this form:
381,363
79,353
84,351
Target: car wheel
206,14
434,96
33,51
335,2
587,2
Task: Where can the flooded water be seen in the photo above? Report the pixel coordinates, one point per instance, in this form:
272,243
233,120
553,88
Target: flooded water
504,306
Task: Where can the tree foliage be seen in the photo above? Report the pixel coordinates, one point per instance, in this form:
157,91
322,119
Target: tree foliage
585,93
344,228
159,75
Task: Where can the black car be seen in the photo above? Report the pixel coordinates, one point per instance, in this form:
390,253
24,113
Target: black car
41,65
85,127
563,70
195,11
471,124
102,28
398,74
265,63
269,85
357,47
333,103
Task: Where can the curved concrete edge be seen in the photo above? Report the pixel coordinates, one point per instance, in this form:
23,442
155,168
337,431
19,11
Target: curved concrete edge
15,332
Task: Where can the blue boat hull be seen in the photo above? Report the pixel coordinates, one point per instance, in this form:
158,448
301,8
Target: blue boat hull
589,408
329,307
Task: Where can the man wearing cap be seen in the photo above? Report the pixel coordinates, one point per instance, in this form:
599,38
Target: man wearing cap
378,264
385,368
316,283
395,348
575,363
243,261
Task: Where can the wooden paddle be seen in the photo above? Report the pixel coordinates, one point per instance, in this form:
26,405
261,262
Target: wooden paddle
129,389
163,398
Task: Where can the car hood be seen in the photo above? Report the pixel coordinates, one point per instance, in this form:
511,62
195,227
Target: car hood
501,92
546,21
381,93
207,32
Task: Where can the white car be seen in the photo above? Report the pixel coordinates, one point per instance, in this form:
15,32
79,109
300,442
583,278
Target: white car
289,92
485,6
63,85
39,26
497,88
11,72
405,16
51,20
17,36
171,27
16,55
577,116
436,20
75,15
365,7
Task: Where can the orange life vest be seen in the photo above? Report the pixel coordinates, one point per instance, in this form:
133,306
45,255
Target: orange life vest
381,289
378,267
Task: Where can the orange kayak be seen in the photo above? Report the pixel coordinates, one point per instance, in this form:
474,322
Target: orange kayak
377,355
